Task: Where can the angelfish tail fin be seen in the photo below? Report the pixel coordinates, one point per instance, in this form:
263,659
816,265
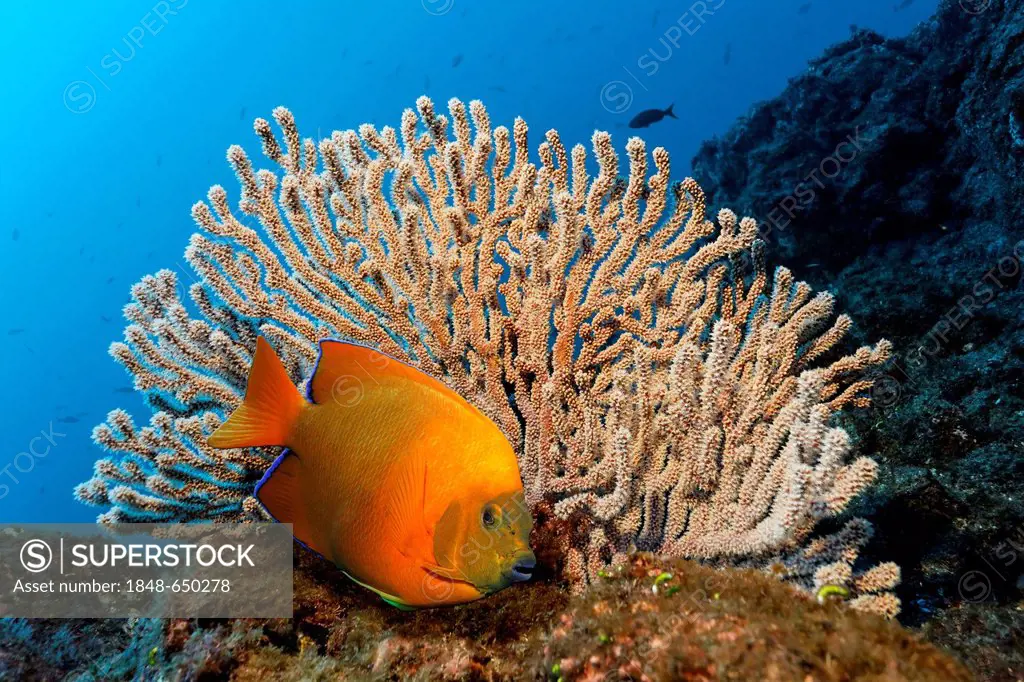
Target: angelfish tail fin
271,406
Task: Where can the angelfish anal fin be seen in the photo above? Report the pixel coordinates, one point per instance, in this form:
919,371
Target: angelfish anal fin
280,494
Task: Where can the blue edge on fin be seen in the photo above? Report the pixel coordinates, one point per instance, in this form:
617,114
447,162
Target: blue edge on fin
266,477
320,355
287,452
316,366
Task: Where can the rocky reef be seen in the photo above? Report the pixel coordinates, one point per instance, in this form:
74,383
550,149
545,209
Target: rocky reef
892,173
887,153
649,619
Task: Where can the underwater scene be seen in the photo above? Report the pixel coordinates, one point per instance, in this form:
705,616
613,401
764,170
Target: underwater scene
558,341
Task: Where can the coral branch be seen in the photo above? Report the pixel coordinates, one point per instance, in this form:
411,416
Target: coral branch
661,393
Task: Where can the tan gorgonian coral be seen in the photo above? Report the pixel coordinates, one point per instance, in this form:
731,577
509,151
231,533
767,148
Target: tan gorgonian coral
661,394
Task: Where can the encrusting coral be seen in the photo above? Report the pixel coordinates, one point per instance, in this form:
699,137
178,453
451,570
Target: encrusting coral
660,392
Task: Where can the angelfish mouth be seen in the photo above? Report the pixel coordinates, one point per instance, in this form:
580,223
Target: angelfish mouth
522,570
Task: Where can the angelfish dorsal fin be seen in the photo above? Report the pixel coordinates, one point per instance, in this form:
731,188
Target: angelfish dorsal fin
346,371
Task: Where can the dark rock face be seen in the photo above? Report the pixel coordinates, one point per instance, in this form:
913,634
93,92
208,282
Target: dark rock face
883,139
892,173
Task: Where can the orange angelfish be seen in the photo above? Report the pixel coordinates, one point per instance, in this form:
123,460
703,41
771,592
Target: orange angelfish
390,474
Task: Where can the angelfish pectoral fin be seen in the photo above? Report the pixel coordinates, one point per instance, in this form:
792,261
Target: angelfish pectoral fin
447,537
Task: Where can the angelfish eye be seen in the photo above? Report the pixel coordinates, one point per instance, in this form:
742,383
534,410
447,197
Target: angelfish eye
490,515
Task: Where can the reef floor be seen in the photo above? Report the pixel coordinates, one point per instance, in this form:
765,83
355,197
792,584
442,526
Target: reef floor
652,619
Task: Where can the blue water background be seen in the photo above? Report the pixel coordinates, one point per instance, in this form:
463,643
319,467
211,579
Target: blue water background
116,117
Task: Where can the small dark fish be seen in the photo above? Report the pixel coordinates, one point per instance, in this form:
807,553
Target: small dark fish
241,114
426,83
81,251
654,19
804,8
68,420
651,116
110,280
104,318
456,60
15,331
903,5
497,88
15,234
728,54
